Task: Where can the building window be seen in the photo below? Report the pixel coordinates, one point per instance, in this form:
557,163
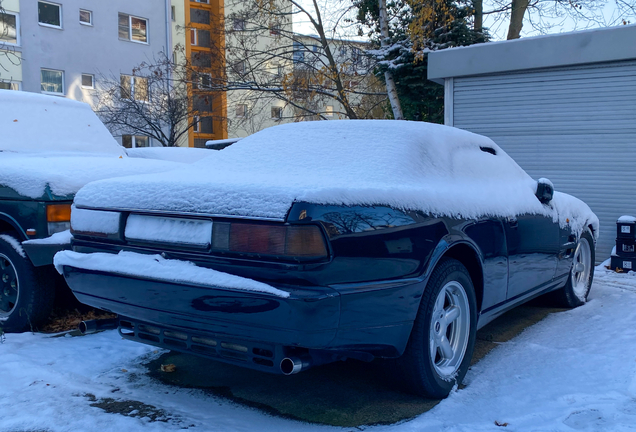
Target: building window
52,81
173,13
134,141
7,85
277,113
202,1
134,88
329,111
274,28
88,81
193,37
133,28
202,81
199,16
241,110
50,14
86,17
239,67
195,124
9,28
238,24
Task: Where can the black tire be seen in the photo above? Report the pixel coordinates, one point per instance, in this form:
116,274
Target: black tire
26,292
577,288
418,368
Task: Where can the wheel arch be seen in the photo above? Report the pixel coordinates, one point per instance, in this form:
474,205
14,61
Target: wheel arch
8,223
466,254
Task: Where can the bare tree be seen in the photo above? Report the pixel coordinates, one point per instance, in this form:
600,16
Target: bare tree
152,102
543,15
314,76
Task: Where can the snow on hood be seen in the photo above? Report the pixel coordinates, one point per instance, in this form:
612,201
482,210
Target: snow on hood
33,122
408,165
29,174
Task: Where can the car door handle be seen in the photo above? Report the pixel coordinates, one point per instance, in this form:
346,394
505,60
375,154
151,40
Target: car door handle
513,223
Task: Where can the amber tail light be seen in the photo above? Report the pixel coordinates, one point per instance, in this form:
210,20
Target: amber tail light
300,241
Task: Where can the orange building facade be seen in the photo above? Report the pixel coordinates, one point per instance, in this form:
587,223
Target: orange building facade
205,52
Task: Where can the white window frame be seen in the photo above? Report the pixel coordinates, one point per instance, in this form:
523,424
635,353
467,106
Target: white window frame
133,87
90,14
198,82
17,84
130,17
244,113
63,82
194,32
280,117
60,15
134,140
92,87
17,30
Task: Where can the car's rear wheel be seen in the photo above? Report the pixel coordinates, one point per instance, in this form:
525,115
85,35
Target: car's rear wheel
579,283
441,344
26,293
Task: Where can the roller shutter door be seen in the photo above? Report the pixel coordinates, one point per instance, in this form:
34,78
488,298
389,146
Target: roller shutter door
575,126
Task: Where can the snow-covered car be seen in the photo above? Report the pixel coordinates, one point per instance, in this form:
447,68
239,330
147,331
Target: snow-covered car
314,242
49,148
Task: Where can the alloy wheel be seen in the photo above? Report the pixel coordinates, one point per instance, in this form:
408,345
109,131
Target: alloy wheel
450,330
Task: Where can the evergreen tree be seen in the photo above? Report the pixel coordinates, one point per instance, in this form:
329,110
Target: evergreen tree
418,27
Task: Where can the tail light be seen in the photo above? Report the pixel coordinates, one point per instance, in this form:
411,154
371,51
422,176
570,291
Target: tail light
299,241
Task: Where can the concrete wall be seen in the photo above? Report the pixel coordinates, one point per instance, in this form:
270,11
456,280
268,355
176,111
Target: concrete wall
96,49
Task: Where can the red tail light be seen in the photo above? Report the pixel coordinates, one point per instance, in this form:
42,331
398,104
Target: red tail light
304,241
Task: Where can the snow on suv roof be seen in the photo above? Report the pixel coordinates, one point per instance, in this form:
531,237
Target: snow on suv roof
408,165
32,122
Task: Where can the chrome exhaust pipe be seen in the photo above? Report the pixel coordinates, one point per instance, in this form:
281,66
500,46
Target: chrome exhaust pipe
293,365
93,326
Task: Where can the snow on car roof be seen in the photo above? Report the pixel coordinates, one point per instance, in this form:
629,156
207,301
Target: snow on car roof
409,165
32,122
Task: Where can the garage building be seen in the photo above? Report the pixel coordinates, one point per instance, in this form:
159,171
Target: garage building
563,106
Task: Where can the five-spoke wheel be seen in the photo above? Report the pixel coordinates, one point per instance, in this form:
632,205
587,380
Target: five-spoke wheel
441,344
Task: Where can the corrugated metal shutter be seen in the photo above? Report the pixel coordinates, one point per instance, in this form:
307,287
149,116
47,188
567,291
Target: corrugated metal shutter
575,126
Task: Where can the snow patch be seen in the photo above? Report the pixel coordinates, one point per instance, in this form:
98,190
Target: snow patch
155,267
14,243
407,165
174,154
169,230
33,122
31,175
95,221
60,238
626,219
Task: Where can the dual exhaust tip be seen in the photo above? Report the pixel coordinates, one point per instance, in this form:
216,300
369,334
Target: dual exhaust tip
288,365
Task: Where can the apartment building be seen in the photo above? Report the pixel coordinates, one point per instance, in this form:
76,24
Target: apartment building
66,47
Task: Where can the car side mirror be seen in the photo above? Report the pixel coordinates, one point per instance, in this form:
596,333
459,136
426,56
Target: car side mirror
545,190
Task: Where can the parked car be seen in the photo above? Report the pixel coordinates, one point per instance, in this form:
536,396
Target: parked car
314,242
49,148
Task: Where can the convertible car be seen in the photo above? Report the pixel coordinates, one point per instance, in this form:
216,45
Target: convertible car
315,242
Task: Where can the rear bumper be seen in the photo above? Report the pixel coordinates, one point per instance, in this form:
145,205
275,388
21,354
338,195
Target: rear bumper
307,318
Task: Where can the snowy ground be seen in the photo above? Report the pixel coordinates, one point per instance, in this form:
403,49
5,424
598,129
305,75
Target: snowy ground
575,370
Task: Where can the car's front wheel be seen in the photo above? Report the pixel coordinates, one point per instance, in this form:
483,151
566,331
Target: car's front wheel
441,344
26,293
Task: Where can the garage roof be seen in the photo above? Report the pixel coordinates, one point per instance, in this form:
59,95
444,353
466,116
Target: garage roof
565,49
